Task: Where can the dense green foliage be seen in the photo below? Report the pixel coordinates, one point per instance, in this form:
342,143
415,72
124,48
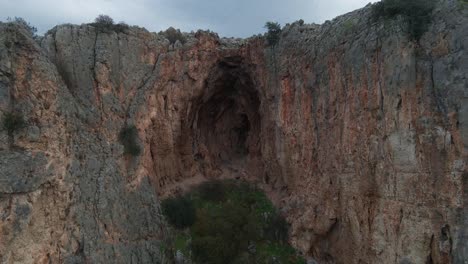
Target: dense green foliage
235,223
128,137
276,228
179,211
12,122
416,13
273,33
212,191
174,35
105,23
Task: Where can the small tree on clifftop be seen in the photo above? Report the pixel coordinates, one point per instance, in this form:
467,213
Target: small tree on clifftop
273,33
104,20
105,24
174,35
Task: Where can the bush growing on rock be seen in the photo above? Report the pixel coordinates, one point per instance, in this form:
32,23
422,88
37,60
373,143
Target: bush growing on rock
104,20
416,13
179,211
23,23
12,122
174,35
128,137
105,23
273,33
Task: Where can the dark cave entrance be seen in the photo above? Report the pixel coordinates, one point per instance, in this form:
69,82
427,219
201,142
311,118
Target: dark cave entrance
227,122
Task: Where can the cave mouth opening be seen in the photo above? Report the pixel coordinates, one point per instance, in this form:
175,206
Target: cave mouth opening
227,121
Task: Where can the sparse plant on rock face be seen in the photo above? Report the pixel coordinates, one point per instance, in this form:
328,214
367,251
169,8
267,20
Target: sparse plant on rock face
416,13
23,23
12,122
349,25
174,35
128,138
273,33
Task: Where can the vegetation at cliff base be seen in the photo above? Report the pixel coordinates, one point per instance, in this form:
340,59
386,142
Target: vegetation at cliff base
273,33
234,222
128,137
179,211
416,13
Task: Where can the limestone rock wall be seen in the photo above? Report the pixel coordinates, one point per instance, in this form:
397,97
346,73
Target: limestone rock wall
370,139
65,194
356,132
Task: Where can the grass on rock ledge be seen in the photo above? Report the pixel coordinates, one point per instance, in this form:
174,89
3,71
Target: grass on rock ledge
229,222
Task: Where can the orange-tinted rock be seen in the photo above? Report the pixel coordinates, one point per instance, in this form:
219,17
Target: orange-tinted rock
358,136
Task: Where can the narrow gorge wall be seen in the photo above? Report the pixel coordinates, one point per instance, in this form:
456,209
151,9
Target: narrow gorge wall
357,133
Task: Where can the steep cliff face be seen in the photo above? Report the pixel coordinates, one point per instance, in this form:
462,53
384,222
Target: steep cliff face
359,134
370,138
65,193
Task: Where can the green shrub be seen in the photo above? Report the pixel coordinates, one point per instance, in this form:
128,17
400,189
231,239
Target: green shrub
235,225
276,228
128,138
174,35
179,211
212,191
349,26
416,13
121,27
105,23
221,233
273,33
12,122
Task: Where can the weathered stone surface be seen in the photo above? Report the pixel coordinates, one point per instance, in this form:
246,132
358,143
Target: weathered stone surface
66,195
22,172
358,134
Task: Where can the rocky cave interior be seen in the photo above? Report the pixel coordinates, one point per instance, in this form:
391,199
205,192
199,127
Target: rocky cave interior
226,122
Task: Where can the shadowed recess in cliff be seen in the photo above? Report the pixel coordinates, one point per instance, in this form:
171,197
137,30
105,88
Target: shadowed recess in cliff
226,122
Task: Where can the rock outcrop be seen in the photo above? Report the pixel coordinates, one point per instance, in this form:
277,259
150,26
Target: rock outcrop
358,134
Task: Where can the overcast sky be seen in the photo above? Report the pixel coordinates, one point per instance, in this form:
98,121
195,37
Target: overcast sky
237,18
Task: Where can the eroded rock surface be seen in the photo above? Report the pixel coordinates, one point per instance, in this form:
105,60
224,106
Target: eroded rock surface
359,134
